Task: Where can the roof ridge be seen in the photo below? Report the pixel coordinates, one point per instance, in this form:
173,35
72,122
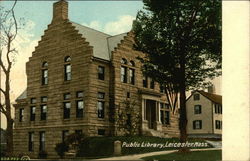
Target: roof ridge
91,28
118,34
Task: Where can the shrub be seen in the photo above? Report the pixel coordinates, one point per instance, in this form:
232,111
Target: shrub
42,154
3,150
61,148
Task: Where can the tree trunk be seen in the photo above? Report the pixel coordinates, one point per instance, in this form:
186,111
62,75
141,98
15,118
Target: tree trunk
9,134
183,113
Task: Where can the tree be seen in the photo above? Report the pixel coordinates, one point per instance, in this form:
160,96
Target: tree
8,29
182,42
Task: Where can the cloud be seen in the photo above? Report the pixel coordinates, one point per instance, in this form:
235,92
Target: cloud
121,25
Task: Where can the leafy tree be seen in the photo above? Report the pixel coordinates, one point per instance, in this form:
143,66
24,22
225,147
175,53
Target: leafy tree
182,42
61,148
8,32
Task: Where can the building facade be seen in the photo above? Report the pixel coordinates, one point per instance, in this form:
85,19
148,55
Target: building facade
79,80
204,114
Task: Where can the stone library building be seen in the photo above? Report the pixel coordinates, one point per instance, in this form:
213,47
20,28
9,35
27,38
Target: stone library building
78,79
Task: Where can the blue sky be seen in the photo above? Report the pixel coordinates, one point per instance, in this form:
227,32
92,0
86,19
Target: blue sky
83,12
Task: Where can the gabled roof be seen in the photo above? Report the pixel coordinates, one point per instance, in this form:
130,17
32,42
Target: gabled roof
212,97
103,44
96,39
23,95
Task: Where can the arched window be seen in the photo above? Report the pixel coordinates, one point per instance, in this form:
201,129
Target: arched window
132,63
124,61
44,73
67,59
67,68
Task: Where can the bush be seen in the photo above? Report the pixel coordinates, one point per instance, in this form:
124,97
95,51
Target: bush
42,155
61,148
104,146
3,150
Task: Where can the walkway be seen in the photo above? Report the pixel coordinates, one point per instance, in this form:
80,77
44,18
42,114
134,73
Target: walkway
139,156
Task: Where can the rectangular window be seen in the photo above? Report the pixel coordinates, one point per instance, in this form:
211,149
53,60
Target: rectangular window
167,117
100,109
101,132
128,94
145,81
32,113
43,112
101,95
79,94
123,74
196,97
162,116
197,124
42,141
33,100
66,96
31,141
44,76
132,76
161,105
44,99
197,109
218,124
21,114
65,133
79,108
66,110
101,72
167,106
78,131
152,84
67,72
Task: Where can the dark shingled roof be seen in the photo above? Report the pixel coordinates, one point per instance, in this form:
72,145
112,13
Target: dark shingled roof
213,97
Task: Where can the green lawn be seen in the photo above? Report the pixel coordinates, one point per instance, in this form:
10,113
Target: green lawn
210,155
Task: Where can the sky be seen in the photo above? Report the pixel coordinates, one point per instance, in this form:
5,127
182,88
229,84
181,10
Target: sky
111,17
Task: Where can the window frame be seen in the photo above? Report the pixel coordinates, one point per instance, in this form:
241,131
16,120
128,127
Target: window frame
31,141
44,113
101,75
42,140
21,114
197,111
195,125
79,111
32,114
196,96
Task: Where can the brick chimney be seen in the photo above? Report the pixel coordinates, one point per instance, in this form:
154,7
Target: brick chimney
210,89
60,10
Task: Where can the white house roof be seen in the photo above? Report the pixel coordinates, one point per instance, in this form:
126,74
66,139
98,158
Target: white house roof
23,95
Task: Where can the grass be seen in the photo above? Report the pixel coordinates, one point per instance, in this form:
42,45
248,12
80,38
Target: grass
209,155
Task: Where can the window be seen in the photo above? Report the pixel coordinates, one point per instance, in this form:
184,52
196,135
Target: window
132,63
67,69
124,61
100,109
162,88
101,95
128,94
197,124
101,132
65,133
33,100
44,99
66,110
124,74
79,94
79,108
167,106
196,97
131,76
66,96
43,112
32,113
152,84
129,120
78,132
218,124
145,81
197,109
101,72
21,113
164,114
45,73
218,108
42,141
31,141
